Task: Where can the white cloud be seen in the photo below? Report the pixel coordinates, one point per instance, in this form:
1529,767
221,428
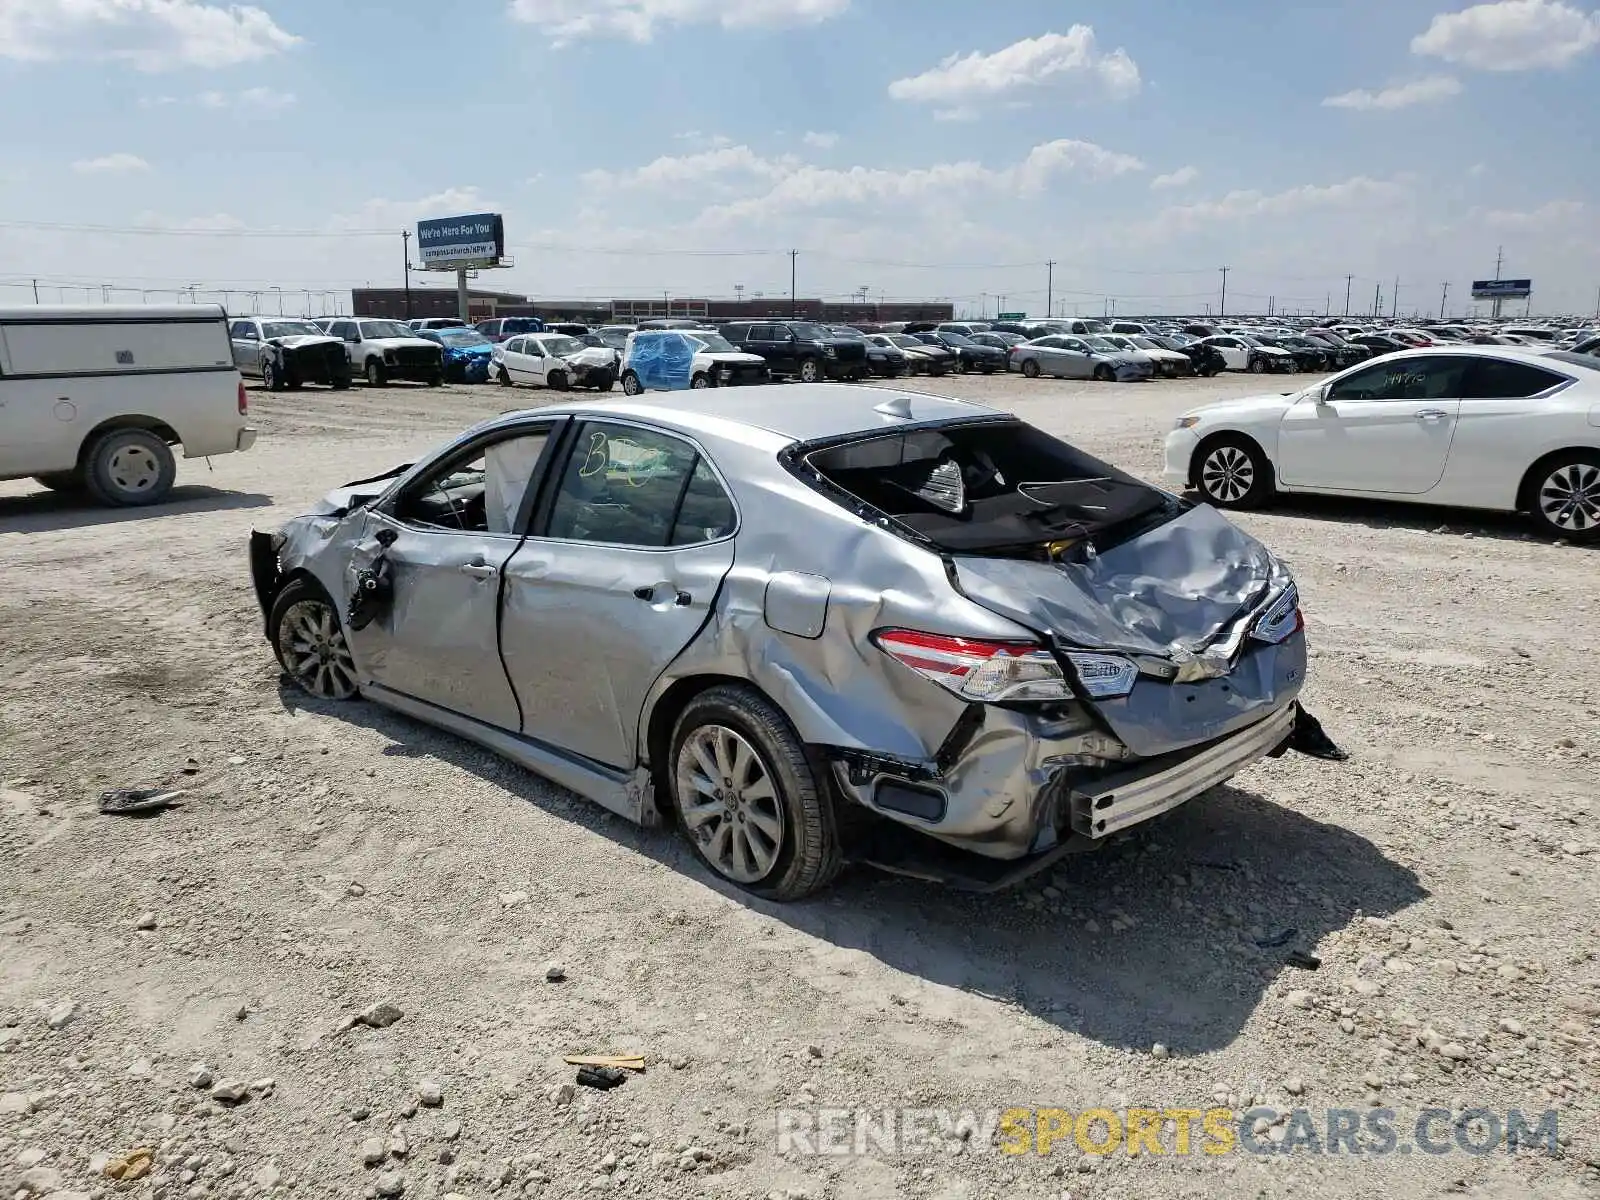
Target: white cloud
152,35
638,20
670,170
404,214
110,164
256,99
1359,192
811,187
1175,179
1033,62
822,141
963,113
1401,95
1547,215
1512,35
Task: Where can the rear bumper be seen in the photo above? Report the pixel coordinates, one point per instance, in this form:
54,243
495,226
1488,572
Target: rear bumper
246,438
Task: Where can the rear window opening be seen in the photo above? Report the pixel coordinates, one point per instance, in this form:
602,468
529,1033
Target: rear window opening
999,487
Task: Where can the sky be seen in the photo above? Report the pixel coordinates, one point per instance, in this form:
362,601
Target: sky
920,149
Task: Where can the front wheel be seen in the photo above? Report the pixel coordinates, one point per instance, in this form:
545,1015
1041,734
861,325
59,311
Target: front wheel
310,643
376,376
631,385
1257,366
558,381
601,381
754,807
699,381
1104,374
129,467
271,375
1232,472
810,370
1564,495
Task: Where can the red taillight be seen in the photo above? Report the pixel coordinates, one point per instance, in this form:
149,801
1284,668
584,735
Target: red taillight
977,669
244,401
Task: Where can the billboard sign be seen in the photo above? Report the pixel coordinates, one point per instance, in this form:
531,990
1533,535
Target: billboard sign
478,239
1501,289
1011,316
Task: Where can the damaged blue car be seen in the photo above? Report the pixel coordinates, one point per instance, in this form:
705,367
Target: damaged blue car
467,353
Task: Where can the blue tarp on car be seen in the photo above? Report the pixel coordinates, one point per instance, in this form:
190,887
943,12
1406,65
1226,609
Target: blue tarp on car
663,361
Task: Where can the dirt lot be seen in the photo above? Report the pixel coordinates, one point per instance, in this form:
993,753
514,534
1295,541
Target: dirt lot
329,858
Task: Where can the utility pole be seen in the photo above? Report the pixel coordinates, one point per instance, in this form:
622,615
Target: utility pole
1348,280
1049,285
1222,308
1396,311
36,291
1499,259
405,251
793,303
1377,300
1443,296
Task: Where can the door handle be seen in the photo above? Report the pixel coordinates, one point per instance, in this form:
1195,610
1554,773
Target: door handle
479,570
1431,414
680,599
646,594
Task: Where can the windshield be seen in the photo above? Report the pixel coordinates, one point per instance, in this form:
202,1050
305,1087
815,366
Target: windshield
560,345
1100,343
715,343
274,329
987,488
847,331
808,332
1248,340
454,336
956,339
386,329
1145,343
905,341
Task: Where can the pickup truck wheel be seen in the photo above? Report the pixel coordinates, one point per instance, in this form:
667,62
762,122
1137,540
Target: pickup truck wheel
310,643
67,482
810,370
129,467
631,385
753,805
700,380
1230,471
1030,368
271,376
376,375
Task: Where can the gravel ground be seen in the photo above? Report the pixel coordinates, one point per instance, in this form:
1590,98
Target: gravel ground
182,983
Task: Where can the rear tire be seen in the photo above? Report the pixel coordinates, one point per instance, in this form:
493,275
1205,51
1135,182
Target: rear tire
503,377
129,467
436,379
1231,471
631,385
699,381
776,802
341,382
1030,369
810,370
1562,495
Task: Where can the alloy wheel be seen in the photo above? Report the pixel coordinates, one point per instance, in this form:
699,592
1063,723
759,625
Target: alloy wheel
315,650
1569,497
1227,474
134,469
729,803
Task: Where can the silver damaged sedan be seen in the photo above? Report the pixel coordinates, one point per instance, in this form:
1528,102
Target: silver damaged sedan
858,625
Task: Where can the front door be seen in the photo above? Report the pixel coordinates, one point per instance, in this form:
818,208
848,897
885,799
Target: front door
620,574
1380,428
246,347
455,526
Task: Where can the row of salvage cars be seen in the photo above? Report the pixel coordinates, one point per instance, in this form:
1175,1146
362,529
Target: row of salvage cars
880,627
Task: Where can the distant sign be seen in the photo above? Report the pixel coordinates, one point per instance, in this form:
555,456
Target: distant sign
1011,316
1501,289
479,239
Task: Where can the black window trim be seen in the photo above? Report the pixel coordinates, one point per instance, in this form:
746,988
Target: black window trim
386,505
539,524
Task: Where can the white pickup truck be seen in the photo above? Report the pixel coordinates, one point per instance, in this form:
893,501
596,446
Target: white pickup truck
93,399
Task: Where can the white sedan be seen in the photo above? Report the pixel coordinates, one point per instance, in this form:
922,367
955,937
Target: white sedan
1494,427
554,360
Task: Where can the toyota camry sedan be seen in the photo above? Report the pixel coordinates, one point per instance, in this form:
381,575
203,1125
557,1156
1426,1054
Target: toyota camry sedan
1492,427
880,627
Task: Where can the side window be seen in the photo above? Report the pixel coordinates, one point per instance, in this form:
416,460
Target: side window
1409,379
1498,379
243,329
483,490
514,346
343,329
631,487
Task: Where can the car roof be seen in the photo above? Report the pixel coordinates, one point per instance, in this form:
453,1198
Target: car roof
792,412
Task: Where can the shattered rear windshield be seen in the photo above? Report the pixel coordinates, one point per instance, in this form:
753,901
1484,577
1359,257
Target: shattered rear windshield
991,487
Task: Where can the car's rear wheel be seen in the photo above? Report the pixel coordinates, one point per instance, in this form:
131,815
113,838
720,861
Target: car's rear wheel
503,377
631,385
129,467
810,370
753,805
309,641
376,376
1564,496
1030,368
436,379
1231,471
